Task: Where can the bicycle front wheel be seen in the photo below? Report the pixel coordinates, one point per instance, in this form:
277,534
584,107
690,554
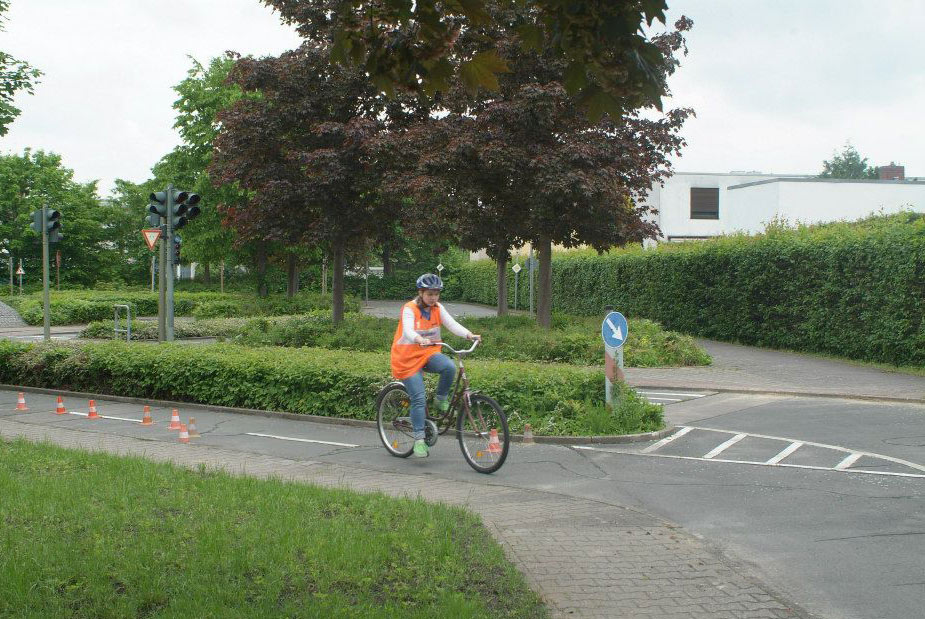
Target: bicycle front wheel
483,434
393,418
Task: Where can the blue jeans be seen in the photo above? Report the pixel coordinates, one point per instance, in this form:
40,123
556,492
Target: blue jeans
438,364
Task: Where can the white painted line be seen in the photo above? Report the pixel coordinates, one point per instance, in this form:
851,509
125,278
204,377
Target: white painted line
792,447
848,461
693,395
911,465
664,399
301,440
723,446
667,440
104,416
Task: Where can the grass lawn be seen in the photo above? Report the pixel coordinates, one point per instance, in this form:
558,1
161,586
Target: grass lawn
95,535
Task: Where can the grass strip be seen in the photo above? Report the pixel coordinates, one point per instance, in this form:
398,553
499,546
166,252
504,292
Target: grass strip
97,535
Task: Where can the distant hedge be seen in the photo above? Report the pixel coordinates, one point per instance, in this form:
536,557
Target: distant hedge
852,290
555,398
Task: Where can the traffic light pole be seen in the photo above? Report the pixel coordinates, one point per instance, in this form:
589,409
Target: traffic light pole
45,300
168,269
162,294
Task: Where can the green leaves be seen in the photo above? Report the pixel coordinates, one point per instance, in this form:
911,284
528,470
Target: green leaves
482,71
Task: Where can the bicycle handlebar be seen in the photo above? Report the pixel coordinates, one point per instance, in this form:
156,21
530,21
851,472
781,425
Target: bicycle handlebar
475,343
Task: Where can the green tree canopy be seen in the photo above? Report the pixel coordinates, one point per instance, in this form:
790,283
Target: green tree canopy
847,164
15,76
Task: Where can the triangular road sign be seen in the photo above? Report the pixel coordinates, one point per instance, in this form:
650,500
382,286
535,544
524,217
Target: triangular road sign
19,271
151,235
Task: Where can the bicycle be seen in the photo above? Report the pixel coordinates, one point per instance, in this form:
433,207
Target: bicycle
481,425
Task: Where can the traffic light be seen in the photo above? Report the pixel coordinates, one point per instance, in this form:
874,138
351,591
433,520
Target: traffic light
52,224
180,204
176,247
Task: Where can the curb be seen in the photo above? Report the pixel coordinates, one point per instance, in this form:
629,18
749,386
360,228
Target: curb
806,394
342,421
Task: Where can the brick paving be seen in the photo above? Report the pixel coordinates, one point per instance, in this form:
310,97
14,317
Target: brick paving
9,317
586,558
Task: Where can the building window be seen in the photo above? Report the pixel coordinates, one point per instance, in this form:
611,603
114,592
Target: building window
704,203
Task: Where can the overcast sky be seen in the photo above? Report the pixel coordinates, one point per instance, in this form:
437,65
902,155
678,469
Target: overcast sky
777,85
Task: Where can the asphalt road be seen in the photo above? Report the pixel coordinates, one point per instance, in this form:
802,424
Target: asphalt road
843,542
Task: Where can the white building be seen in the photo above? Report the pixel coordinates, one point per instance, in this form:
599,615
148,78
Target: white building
702,205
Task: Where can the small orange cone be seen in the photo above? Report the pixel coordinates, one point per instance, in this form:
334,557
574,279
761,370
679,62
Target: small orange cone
494,445
193,430
21,403
59,410
184,435
93,414
174,420
146,419
528,434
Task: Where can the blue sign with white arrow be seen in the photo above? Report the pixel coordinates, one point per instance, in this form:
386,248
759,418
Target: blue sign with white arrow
614,330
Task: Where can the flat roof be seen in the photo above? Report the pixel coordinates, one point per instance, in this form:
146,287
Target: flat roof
814,179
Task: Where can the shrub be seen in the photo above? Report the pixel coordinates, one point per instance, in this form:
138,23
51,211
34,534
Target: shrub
853,290
305,380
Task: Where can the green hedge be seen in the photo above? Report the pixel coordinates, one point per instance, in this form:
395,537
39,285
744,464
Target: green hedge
852,290
306,380
77,307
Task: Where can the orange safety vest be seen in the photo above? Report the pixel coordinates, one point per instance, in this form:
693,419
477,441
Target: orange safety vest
408,357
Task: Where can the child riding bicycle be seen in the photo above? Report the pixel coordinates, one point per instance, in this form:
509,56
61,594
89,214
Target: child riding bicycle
414,351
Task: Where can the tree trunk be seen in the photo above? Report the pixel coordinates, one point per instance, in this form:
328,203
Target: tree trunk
337,285
386,259
544,285
502,286
206,273
292,276
261,270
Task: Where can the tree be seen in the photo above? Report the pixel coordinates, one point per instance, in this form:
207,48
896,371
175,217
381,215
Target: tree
527,165
299,151
36,178
607,62
15,76
848,164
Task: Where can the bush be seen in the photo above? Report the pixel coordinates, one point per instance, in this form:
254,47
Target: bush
853,290
305,380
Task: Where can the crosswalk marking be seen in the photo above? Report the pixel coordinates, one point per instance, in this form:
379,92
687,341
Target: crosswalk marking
848,461
667,440
691,395
792,447
722,447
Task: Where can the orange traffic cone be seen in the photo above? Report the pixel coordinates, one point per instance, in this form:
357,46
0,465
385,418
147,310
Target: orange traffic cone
93,414
146,419
60,408
494,446
193,430
21,403
174,420
528,434
184,435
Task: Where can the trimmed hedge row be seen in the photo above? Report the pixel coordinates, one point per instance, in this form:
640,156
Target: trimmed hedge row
852,290
77,307
306,380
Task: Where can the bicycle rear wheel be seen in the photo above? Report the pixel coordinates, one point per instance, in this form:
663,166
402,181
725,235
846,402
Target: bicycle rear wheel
393,418
483,434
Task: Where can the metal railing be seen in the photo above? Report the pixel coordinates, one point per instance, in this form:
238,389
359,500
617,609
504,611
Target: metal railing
128,322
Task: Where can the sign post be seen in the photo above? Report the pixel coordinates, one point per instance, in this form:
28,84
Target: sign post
516,268
20,272
614,331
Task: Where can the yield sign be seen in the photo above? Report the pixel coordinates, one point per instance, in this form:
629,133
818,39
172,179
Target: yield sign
151,235
19,271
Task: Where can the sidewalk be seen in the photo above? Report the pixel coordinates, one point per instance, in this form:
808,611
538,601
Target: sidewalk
585,558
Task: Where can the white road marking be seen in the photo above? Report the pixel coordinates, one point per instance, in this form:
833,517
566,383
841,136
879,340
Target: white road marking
693,395
104,416
792,447
848,461
667,439
792,466
301,440
722,447
664,399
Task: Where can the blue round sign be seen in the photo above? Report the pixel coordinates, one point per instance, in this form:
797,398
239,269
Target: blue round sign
614,330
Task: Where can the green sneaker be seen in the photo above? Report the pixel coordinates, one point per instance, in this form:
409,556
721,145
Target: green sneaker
443,405
421,450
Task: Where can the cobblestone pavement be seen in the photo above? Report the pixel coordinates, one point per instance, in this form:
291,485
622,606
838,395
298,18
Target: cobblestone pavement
586,558
9,317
